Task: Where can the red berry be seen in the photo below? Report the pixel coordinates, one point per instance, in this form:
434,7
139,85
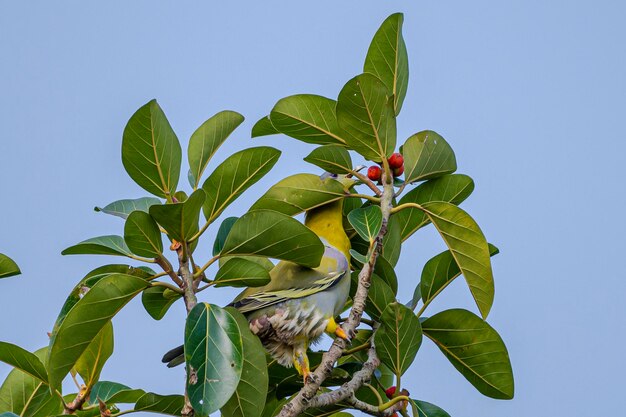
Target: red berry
374,172
396,160
390,391
398,171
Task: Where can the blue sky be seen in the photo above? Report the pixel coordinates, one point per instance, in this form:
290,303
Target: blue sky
530,94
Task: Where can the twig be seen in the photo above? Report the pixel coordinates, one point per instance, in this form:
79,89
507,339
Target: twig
367,182
167,268
349,388
77,404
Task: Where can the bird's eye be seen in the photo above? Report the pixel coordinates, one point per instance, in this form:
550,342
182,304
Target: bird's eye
333,175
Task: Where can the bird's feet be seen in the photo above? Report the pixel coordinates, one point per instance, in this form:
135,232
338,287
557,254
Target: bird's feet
301,363
339,332
333,328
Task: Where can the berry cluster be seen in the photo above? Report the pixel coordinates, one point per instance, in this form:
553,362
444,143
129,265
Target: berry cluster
396,163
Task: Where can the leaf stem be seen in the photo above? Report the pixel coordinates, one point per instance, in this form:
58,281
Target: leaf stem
121,413
159,275
365,196
400,189
200,271
140,259
168,286
375,391
204,287
357,349
392,402
406,206
201,231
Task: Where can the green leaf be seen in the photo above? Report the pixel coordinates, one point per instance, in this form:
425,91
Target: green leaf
122,208
475,349
298,193
8,267
388,60
264,127
180,220
142,235
165,404
362,259
23,360
453,189
127,396
157,300
113,392
468,247
28,396
367,222
214,357
222,234
331,158
85,320
307,117
90,364
252,389
398,338
424,409
349,204
274,235
272,404
151,153
440,271
427,155
392,242
239,272
101,245
378,297
91,279
206,140
417,296
366,117
264,262
383,269
235,175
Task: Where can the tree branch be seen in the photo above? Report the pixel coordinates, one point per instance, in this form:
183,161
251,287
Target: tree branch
348,389
167,268
189,295
306,398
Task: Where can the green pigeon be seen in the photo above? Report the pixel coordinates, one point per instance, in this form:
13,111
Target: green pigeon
300,304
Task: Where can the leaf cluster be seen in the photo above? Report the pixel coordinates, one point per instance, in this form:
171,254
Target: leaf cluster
226,366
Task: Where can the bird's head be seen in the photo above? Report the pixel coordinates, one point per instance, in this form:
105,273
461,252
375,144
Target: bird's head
347,180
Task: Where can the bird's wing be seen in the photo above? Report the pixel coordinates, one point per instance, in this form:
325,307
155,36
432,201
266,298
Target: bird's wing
291,281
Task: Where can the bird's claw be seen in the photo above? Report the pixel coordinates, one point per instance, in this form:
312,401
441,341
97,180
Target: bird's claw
339,332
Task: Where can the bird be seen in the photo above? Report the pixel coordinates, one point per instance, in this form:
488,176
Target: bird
300,304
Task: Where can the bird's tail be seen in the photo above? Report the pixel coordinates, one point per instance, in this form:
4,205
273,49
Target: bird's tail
174,357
